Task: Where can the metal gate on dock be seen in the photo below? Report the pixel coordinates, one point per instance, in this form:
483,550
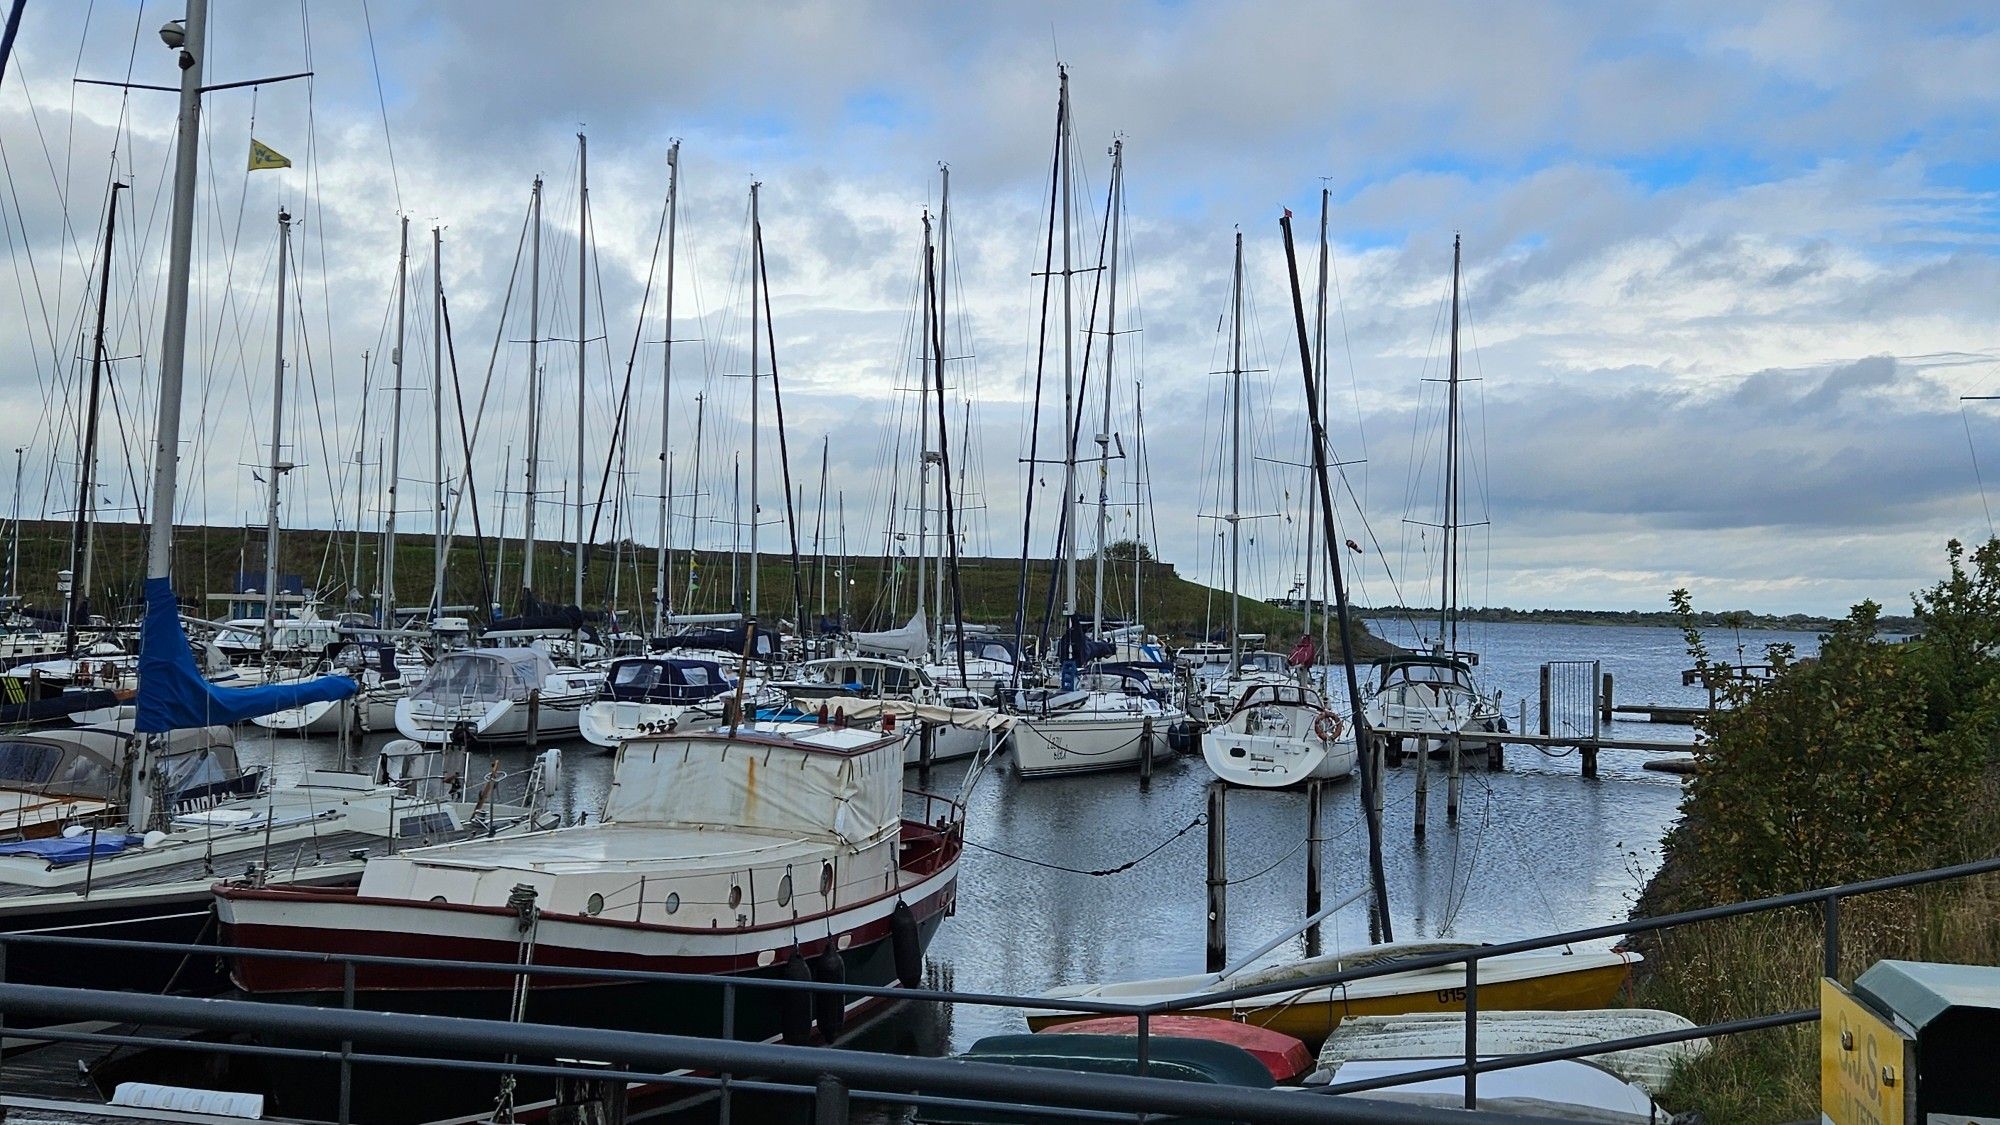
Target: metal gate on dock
1572,699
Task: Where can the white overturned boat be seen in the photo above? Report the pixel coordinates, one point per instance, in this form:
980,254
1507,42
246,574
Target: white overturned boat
486,691
1100,726
1442,1035
1564,1090
1279,735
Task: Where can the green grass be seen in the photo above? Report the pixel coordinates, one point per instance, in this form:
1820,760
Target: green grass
207,559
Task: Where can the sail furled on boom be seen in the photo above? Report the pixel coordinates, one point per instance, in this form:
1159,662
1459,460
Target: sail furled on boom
173,694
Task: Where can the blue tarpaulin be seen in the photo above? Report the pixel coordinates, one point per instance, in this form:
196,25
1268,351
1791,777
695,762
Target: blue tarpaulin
174,695
62,850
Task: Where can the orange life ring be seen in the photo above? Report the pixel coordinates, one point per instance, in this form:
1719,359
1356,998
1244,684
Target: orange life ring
1328,727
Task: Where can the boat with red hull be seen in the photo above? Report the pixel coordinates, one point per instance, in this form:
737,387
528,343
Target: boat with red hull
722,852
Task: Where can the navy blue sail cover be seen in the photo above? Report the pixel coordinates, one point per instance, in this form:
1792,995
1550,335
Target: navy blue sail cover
174,695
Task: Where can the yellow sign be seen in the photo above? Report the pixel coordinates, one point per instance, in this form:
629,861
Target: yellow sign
1864,1063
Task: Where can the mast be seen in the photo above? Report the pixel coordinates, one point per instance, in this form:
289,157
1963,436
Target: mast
1319,381
87,461
14,539
500,542
1448,621
1117,204
756,262
534,392
173,357
944,480
360,479
819,532
1235,516
1068,518
582,279
437,420
395,433
736,538
662,597
930,357
1141,502
694,496
840,519
277,466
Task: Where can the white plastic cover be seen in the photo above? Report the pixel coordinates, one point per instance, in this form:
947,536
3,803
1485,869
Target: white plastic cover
758,787
912,640
484,675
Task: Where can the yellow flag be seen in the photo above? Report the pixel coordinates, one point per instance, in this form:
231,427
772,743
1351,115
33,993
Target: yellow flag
264,156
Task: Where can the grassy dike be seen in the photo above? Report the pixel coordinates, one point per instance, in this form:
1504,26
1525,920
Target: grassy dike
1872,759
207,559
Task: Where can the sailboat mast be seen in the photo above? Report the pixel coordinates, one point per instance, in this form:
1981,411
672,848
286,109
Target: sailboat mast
1141,503
736,535
694,497
360,481
582,344
1448,623
14,539
395,433
930,357
173,356
87,458
938,346
277,467
819,532
1235,516
662,597
1319,381
1068,518
534,392
756,262
1117,203
437,420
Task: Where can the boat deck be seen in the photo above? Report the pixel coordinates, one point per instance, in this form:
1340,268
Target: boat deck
594,847
301,856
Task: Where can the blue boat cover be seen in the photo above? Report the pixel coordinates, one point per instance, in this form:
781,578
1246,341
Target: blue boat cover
61,850
174,695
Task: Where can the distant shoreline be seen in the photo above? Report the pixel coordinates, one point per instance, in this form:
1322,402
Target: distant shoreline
1734,619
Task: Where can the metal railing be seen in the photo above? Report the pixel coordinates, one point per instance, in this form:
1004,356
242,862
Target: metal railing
710,1063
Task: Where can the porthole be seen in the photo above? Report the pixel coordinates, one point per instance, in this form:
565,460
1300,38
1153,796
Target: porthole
437,898
673,901
785,890
825,879
594,904
735,896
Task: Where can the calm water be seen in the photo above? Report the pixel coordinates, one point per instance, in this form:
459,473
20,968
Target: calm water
1537,848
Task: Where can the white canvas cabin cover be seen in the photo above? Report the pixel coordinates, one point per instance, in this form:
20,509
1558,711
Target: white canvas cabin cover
486,674
755,786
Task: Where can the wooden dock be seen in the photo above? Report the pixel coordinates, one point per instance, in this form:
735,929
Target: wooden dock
1661,712
1588,746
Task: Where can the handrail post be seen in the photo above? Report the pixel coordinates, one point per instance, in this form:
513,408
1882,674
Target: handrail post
1472,1032
830,1101
1145,1044
1831,914
346,1046
728,1032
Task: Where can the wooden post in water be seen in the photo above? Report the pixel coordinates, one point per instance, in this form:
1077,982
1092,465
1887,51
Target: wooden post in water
1372,759
1452,783
1545,699
346,733
1589,755
1218,878
1146,752
1423,785
1313,827
1604,702
534,719
926,748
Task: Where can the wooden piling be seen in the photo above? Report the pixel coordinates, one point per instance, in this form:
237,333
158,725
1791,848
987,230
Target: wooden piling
1218,878
534,719
1423,786
1371,759
926,747
1545,701
1452,785
1146,752
1313,892
1588,751
1604,702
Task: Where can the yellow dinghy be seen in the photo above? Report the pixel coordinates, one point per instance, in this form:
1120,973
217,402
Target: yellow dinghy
1534,981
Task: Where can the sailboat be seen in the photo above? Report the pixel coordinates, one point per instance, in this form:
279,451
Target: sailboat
1433,696
1098,718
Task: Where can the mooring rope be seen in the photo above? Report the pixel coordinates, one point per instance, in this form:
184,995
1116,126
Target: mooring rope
1199,820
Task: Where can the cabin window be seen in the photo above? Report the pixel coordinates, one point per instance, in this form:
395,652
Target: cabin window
694,675
785,890
437,898
27,763
735,896
825,879
594,904
673,903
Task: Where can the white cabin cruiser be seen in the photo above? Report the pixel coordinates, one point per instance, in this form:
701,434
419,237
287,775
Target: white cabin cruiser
646,695
1100,726
1432,697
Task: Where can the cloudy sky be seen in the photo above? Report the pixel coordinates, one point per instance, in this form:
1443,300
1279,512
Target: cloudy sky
1728,269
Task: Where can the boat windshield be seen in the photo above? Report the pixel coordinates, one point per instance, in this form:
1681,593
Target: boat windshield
484,675
665,681
1442,675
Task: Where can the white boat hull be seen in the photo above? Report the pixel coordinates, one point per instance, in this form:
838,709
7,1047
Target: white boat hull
1047,746
1261,762
608,723
948,744
502,722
